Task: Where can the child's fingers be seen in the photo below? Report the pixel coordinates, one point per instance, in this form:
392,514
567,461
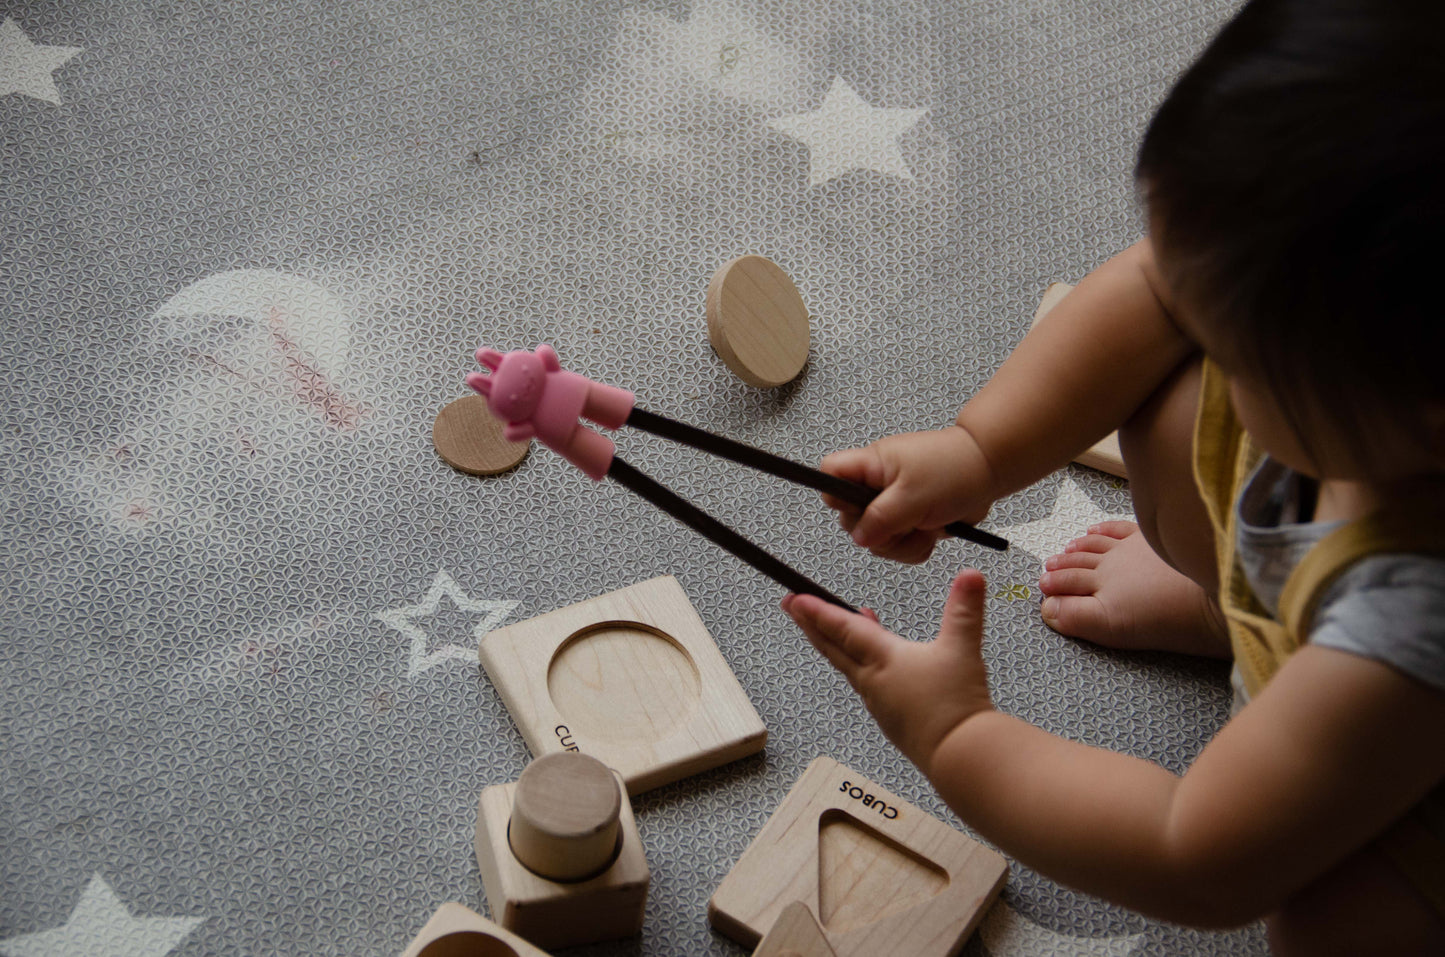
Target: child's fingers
911,548
963,611
856,465
823,645
840,661
860,638
888,517
848,515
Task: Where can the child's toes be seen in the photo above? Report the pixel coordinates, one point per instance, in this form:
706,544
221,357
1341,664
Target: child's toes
1114,529
1069,581
1096,542
1073,560
1078,616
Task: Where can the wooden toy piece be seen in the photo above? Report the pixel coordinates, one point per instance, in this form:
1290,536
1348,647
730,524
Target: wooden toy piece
565,814
795,934
631,678
757,322
882,876
469,439
456,931
1104,454
563,838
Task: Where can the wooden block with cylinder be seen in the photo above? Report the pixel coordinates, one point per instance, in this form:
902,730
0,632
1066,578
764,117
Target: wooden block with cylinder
561,859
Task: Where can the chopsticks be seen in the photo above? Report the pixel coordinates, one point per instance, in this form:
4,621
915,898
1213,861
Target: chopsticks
795,472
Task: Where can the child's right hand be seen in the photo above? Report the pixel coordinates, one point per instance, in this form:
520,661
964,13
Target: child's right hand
928,479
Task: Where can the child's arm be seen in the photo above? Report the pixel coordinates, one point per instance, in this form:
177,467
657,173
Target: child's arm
1333,750
1079,373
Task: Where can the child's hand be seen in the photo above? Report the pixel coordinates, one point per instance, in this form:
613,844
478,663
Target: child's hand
928,479
917,692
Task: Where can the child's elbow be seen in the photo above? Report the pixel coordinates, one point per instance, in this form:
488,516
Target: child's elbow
1210,906
1214,891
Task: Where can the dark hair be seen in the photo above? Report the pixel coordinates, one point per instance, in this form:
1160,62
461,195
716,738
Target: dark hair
1295,180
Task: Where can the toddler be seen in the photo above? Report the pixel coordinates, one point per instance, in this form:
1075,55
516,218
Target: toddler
1270,354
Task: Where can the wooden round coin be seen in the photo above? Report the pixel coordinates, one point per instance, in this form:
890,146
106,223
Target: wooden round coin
566,815
757,322
469,438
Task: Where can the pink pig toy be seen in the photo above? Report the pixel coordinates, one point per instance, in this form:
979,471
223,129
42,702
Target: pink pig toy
535,396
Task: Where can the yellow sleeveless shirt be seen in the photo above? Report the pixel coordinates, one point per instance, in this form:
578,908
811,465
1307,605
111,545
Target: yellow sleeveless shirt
1224,458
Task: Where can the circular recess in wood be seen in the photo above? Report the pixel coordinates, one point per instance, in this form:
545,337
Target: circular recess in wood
566,812
467,943
757,322
623,682
469,438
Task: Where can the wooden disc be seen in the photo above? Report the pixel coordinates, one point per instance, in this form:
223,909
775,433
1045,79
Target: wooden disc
469,438
756,321
566,815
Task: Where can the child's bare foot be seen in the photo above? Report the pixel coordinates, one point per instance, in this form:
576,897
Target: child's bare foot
1111,588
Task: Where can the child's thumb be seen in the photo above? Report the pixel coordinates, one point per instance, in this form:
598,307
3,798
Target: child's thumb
963,611
889,515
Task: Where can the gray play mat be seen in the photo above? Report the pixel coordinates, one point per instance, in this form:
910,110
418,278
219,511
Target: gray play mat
248,249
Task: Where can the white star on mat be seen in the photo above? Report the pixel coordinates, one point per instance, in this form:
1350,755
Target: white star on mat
1073,513
101,926
25,67
846,133
1006,933
401,619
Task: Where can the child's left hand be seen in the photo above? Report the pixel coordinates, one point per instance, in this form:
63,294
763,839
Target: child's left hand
917,692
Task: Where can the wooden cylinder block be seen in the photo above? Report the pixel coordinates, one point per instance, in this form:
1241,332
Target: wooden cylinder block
757,322
565,816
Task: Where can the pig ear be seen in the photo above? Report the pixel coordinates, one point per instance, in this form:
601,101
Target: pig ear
548,355
490,358
481,383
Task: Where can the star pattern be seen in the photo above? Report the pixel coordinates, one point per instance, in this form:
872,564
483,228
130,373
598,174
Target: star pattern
26,66
1073,512
846,134
403,620
102,926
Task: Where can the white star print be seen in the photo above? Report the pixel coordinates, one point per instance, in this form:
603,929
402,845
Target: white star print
101,926
1073,513
442,584
25,67
846,134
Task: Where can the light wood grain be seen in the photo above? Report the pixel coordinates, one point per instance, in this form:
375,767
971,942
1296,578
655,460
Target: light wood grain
896,880
757,322
795,934
1103,455
469,438
457,931
565,816
631,678
556,913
